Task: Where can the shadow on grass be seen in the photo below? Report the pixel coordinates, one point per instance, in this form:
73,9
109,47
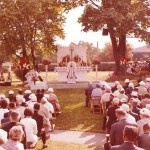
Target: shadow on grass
75,116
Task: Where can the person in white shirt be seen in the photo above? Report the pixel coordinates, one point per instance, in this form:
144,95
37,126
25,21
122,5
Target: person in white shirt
3,109
30,127
145,118
97,91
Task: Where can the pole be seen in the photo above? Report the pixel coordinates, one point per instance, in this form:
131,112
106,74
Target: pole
96,67
46,69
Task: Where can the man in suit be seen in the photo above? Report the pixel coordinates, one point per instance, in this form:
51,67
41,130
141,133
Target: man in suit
130,134
144,139
116,132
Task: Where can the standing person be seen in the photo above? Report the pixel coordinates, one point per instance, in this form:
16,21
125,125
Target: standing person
130,134
11,96
88,92
8,79
113,89
127,81
27,94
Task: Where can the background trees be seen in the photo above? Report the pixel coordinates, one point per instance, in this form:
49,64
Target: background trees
120,19
28,28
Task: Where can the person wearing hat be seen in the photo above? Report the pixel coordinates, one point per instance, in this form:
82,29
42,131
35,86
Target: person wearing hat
15,136
127,81
142,89
122,95
111,114
114,88
116,132
11,96
129,114
129,89
21,109
27,94
54,100
32,101
88,92
144,118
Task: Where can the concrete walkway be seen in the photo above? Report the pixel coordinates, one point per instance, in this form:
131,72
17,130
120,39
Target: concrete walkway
76,137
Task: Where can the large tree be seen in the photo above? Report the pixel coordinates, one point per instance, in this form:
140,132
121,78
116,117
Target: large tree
28,28
121,18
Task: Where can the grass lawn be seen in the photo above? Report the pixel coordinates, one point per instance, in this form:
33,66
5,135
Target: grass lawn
65,146
74,116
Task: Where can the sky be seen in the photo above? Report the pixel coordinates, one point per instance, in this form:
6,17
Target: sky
74,33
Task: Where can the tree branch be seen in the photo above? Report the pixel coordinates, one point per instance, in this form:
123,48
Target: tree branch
94,4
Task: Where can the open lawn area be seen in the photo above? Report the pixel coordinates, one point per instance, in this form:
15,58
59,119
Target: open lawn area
75,116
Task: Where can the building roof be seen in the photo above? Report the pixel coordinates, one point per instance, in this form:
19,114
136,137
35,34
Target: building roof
145,49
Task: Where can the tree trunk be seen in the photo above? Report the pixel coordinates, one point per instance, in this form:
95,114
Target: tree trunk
122,46
115,50
33,56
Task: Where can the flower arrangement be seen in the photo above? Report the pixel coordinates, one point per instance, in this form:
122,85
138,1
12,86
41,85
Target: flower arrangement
34,78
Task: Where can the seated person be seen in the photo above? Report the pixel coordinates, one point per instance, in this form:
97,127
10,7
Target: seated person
144,139
15,136
130,134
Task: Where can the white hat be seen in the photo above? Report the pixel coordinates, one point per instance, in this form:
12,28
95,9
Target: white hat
145,111
119,87
44,100
131,85
142,83
27,92
147,79
50,90
134,93
107,88
125,107
117,82
115,100
33,97
127,81
11,92
3,135
2,96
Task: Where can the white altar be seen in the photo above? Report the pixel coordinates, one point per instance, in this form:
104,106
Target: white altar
72,63
81,73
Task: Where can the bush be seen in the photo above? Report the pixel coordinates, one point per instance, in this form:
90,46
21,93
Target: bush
20,74
105,66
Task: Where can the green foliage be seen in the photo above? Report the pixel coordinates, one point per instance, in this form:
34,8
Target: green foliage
30,27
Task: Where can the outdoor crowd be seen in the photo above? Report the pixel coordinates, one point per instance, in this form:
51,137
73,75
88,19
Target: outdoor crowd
27,117
126,112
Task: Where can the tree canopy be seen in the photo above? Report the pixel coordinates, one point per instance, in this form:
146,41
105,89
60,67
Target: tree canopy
28,28
120,18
